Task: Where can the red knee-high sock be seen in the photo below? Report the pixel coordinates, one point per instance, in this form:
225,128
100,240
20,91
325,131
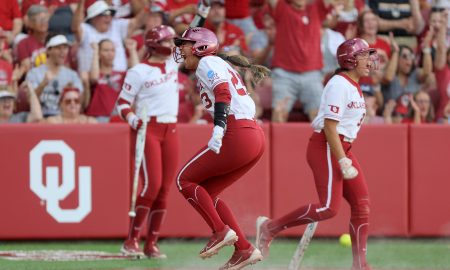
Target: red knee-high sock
359,233
200,199
228,218
303,215
142,209
155,219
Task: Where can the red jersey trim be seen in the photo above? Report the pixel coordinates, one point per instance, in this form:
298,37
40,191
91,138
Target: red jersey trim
222,93
350,80
161,66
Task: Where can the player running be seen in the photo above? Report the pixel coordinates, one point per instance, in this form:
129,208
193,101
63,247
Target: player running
336,170
153,83
217,165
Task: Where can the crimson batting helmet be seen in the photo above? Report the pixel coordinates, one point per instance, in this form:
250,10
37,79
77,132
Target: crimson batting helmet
349,49
205,41
154,36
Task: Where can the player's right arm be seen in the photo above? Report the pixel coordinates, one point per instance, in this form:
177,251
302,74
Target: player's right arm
130,88
330,129
335,100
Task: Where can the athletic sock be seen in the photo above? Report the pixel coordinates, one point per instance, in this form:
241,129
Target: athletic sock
228,218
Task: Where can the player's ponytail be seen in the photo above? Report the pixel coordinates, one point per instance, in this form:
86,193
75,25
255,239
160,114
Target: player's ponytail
259,72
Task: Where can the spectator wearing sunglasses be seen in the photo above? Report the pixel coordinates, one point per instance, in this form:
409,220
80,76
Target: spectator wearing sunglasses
70,109
403,77
99,24
420,109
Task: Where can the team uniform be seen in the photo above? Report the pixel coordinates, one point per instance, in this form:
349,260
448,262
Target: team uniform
207,174
341,101
156,87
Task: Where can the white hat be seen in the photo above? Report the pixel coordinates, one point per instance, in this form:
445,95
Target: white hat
442,4
56,41
98,8
6,93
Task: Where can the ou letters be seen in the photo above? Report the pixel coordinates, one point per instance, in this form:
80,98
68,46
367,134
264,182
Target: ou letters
52,193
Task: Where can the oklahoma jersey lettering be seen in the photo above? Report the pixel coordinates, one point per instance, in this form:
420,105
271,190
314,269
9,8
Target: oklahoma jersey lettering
212,71
342,101
152,85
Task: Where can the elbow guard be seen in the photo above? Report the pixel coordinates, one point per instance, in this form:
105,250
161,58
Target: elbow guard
221,111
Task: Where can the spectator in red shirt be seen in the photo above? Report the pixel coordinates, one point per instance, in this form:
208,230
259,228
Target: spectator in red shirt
238,13
5,52
10,19
442,69
297,58
106,82
231,38
30,51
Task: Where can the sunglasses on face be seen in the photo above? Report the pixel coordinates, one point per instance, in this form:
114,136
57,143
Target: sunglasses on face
407,56
106,13
422,101
69,101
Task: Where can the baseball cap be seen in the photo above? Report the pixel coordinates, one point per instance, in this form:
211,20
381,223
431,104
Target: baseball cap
56,41
442,4
6,94
98,8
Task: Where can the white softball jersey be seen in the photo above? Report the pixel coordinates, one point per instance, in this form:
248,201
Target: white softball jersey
342,100
212,71
156,87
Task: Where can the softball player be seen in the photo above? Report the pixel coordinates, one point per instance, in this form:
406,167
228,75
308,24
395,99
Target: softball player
336,170
216,166
153,83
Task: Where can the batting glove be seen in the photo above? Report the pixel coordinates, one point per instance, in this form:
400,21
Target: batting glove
215,143
206,2
203,8
348,170
135,122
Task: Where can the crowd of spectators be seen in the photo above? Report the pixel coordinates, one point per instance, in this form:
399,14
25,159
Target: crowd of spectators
64,61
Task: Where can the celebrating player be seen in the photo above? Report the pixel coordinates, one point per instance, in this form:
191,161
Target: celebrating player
336,170
153,84
217,166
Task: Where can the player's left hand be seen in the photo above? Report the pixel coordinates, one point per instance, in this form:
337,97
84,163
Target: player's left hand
135,122
348,170
215,143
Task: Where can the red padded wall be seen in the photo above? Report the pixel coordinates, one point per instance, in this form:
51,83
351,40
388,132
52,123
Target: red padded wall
430,180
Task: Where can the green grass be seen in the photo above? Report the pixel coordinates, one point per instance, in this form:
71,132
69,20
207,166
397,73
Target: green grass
322,253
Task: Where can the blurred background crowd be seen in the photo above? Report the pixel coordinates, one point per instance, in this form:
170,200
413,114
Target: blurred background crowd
64,61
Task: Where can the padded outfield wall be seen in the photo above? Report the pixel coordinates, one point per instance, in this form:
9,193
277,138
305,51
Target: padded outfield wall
73,181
